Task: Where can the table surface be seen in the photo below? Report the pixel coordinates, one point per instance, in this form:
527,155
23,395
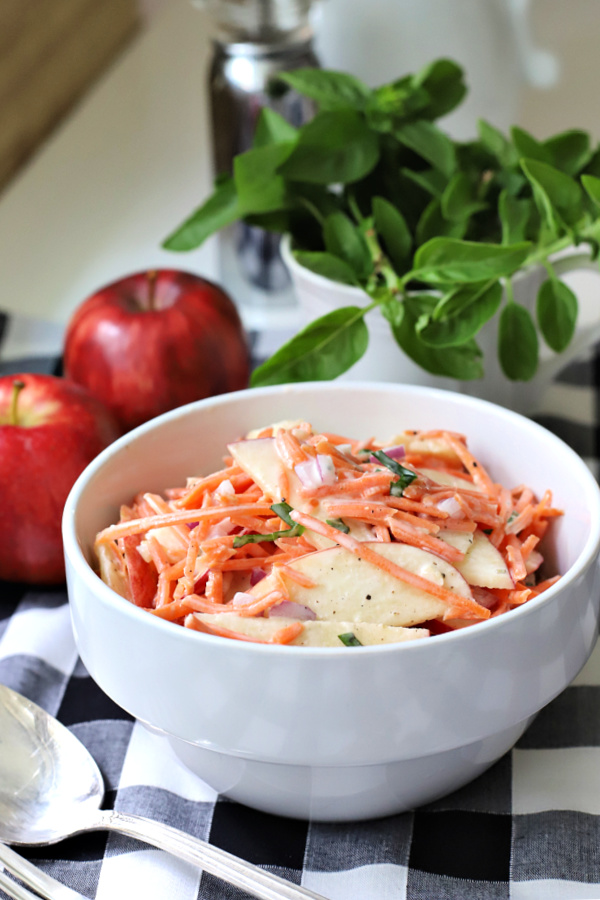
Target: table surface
125,168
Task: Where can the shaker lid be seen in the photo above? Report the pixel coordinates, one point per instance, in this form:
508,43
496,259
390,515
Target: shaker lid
259,21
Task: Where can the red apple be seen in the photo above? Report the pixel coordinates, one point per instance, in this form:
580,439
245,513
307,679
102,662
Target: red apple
50,429
154,341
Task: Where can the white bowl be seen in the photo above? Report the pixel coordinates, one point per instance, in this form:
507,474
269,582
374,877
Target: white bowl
334,734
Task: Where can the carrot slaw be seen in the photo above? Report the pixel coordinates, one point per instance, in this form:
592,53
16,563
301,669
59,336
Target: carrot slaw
243,543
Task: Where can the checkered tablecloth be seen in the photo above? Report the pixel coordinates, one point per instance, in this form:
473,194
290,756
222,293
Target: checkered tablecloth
528,829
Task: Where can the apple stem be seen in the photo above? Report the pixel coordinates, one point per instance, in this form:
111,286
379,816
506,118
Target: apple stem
151,276
14,403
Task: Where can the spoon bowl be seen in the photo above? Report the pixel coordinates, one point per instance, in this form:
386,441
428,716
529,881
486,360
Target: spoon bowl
51,789
48,780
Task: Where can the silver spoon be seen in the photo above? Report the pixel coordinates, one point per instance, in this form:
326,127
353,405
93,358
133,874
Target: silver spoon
51,789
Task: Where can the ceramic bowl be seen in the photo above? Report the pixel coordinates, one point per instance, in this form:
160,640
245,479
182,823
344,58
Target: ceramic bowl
337,734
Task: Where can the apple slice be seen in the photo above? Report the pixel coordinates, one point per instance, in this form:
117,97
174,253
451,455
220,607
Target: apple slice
347,588
483,565
313,634
425,446
446,478
260,460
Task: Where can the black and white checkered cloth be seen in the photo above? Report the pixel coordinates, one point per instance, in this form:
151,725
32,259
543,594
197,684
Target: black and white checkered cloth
528,829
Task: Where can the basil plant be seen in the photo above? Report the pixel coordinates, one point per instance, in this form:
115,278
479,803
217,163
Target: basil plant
373,193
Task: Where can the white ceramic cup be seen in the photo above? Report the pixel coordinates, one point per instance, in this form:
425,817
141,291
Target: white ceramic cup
385,361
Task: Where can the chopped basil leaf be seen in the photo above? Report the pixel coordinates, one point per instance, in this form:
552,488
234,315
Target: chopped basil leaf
337,523
512,517
397,488
283,510
349,639
241,539
406,475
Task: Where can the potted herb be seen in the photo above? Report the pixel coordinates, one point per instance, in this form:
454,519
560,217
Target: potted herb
372,193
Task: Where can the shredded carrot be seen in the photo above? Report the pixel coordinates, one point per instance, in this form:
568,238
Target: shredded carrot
138,526
295,575
209,483
472,465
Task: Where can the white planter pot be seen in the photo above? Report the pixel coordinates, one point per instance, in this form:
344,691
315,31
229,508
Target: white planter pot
385,361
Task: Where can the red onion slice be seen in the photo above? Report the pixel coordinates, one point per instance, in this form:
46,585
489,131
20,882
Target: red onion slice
241,598
292,610
451,506
257,575
326,469
396,452
308,473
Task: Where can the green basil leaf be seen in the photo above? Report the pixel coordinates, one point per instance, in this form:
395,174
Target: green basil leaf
344,240
497,144
391,227
260,189
529,147
431,180
444,82
335,147
556,311
349,639
323,350
272,128
462,363
443,260
517,343
592,187
554,190
458,202
570,151
426,139
458,329
331,90
395,101
221,209
394,466
327,265
283,510
432,223
515,215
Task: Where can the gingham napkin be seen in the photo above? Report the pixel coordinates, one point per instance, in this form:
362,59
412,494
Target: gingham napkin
528,829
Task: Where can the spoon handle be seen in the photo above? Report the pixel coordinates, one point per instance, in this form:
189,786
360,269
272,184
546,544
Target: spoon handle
229,868
39,881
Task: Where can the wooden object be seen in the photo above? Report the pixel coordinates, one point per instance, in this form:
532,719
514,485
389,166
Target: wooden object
51,51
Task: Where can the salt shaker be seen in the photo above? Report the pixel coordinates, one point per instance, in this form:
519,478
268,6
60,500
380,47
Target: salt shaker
253,42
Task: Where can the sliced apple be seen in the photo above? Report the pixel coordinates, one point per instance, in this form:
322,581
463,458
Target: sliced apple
260,460
484,566
462,540
350,589
313,634
425,446
442,477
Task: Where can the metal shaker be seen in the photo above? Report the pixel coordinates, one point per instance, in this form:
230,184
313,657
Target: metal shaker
253,41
